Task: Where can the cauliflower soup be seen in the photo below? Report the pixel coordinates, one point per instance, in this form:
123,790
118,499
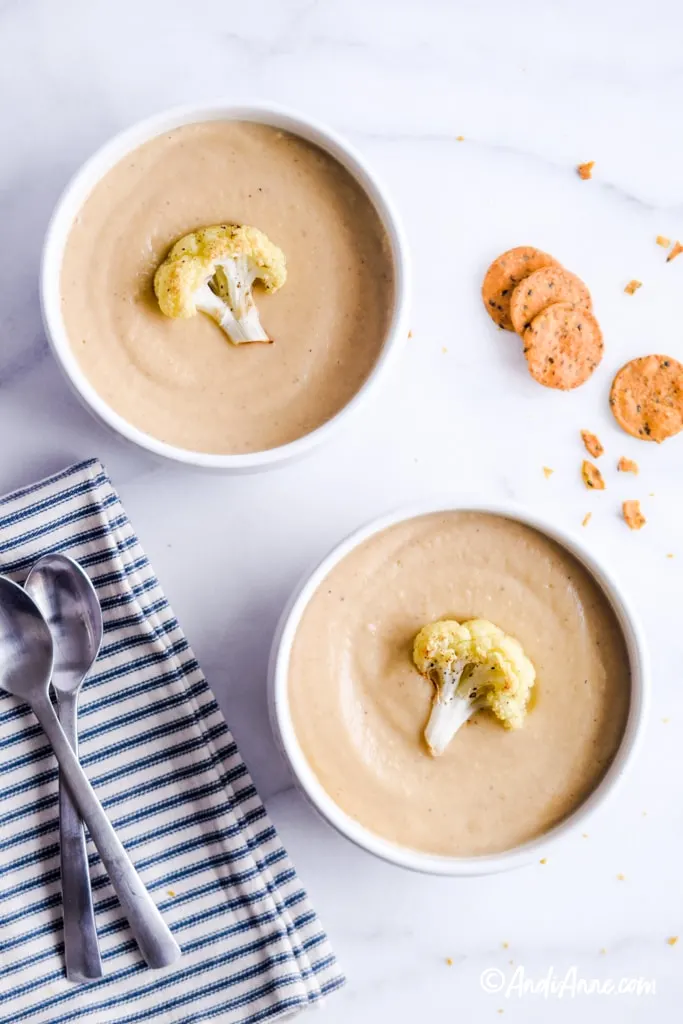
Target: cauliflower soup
181,380
359,706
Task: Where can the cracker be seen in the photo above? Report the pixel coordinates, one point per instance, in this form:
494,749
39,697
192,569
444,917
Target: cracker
563,346
592,444
633,286
585,171
504,274
592,477
633,517
541,289
676,251
625,465
647,397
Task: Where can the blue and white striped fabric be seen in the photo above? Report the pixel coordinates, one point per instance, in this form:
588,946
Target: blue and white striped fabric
159,754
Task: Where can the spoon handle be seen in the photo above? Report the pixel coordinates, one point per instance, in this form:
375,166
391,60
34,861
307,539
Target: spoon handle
153,936
81,949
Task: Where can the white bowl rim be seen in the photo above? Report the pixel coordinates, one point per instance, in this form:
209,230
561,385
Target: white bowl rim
416,860
127,140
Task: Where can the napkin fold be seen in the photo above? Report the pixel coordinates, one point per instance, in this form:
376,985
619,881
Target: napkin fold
161,758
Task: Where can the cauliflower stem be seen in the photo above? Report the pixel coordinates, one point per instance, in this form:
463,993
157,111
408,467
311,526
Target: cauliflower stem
450,709
213,270
473,666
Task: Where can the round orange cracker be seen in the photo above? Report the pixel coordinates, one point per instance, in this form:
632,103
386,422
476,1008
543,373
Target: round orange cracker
541,289
563,346
504,274
647,397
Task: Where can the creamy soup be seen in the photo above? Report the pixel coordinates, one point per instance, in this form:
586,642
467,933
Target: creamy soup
359,706
181,380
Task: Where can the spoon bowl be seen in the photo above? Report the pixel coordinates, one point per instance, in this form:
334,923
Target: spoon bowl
69,604
26,646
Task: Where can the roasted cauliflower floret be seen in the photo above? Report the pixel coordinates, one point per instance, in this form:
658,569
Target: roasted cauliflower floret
213,270
473,665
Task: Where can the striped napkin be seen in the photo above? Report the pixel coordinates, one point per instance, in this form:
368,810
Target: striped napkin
160,756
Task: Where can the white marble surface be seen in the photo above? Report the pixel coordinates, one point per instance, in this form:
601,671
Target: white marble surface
534,88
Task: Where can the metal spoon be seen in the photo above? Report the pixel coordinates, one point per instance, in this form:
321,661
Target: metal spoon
26,659
68,601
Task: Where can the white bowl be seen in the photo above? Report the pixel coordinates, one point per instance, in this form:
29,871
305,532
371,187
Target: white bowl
110,154
416,860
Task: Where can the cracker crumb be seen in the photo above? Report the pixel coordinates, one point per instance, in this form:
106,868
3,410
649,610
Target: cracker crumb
669,556
603,951
449,961
444,350
170,892
585,171
543,860
633,286
663,241
592,477
584,835
547,472
675,251
672,940
625,465
633,517
621,878
459,138
586,519
666,721
592,444
505,945
645,814
410,334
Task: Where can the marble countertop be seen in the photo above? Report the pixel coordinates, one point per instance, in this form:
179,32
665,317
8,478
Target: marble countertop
534,90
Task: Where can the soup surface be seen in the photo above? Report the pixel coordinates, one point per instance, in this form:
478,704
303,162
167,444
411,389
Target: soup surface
359,706
182,381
